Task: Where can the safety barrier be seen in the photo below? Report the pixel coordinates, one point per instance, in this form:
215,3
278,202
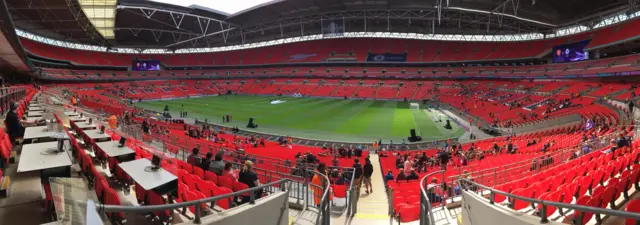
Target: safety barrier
9,95
277,185
498,175
428,195
482,191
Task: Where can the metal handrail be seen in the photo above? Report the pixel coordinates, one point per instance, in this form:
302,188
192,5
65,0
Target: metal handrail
196,203
545,203
425,204
554,154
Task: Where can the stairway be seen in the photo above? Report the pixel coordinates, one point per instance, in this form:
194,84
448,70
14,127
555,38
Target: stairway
415,93
355,92
334,90
373,206
375,93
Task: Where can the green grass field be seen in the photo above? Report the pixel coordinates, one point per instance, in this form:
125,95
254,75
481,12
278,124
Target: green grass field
315,118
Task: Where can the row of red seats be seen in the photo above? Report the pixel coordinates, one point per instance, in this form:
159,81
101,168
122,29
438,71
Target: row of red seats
596,180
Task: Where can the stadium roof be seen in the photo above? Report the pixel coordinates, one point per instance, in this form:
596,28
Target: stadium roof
147,24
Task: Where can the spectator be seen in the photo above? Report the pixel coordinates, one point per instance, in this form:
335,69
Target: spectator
15,127
622,141
217,166
367,172
357,176
342,179
434,191
250,178
444,159
113,121
204,165
194,159
388,177
413,175
228,171
335,161
319,184
145,126
401,176
407,164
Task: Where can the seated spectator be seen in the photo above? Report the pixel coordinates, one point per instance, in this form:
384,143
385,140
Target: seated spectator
217,166
434,191
194,159
228,171
15,126
342,179
250,178
413,175
204,165
401,176
388,177
287,163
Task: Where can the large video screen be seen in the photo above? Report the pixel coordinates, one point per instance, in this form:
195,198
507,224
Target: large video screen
146,65
571,52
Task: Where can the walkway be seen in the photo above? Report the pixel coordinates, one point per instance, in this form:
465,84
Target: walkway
372,208
472,129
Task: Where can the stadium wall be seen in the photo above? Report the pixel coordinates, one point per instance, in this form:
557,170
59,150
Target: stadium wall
477,210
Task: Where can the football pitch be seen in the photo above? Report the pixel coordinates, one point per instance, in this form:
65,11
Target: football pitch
316,118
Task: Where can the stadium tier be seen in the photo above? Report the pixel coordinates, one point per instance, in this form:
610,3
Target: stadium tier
591,68
319,51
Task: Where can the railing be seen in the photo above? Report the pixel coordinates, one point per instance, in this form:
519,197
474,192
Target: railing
497,175
197,203
482,190
10,95
273,169
427,196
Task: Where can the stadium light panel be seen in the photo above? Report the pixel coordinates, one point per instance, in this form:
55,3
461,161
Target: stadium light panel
102,15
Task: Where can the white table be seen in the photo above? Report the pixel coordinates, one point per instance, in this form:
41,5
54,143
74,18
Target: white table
36,132
85,125
149,179
40,156
35,108
122,154
77,118
97,136
35,105
34,114
71,113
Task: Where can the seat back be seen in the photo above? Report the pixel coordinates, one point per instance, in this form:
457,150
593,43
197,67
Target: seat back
225,182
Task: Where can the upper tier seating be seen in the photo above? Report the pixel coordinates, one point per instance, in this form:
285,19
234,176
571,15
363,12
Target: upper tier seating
631,63
357,48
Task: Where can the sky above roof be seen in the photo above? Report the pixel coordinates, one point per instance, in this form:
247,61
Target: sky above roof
227,6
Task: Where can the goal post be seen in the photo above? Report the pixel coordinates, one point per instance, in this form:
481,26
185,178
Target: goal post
414,106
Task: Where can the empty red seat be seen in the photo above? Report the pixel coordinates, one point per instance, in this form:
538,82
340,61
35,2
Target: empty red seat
225,182
632,206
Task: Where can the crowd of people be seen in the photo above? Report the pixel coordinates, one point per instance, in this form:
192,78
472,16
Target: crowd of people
226,169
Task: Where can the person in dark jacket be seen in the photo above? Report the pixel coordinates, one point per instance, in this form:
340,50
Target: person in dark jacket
204,165
401,176
413,175
15,126
357,174
367,172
